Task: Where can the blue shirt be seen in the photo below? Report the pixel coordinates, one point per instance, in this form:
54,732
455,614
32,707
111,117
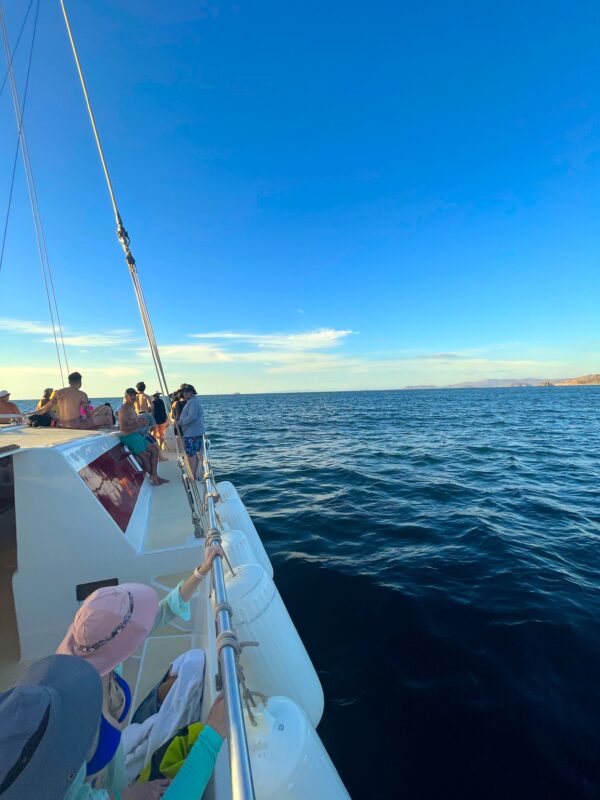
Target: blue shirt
192,417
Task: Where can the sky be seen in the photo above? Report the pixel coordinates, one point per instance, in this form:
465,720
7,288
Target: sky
320,196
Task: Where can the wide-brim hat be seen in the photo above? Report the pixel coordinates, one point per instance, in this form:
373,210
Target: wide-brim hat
111,624
48,723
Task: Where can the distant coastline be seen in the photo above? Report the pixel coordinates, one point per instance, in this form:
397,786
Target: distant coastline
491,383
513,383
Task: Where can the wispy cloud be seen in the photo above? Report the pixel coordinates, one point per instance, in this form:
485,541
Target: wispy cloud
25,326
115,338
275,352
323,338
112,338
193,353
444,356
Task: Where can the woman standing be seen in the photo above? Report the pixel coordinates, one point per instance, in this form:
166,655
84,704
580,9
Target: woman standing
159,412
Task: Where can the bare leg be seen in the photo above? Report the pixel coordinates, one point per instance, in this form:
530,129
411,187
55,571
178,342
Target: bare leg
194,466
158,436
144,459
153,454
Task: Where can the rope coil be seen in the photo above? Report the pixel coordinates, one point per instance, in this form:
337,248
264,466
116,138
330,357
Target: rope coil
229,639
223,607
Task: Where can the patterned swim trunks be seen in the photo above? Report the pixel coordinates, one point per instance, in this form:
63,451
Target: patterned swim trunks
192,444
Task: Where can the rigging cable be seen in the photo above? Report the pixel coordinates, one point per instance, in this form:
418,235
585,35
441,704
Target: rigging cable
16,47
16,156
40,237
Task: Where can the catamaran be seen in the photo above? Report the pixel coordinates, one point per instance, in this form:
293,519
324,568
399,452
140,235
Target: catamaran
76,514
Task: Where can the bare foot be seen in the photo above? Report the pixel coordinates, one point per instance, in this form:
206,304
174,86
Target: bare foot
155,481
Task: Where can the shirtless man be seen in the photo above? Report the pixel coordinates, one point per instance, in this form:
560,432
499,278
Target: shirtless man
129,426
70,401
143,401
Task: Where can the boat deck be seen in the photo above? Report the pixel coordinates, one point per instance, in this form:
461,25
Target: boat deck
169,520
23,436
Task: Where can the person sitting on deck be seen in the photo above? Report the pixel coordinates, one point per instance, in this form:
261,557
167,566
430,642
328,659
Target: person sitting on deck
48,723
70,401
45,397
47,420
131,426
191,421
144,408
7,407
112,623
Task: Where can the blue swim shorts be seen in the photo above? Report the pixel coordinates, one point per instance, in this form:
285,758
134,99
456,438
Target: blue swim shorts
192,444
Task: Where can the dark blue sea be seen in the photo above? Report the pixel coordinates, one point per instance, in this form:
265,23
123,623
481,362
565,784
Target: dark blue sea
439,552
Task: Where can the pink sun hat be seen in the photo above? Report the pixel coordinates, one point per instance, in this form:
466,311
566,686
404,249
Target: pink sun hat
110,625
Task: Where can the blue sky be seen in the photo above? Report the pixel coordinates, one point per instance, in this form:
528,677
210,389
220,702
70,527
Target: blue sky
319,195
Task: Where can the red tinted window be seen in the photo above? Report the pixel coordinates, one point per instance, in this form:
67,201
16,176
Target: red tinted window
115,482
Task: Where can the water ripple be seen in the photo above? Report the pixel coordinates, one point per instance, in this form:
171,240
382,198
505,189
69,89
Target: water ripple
439,553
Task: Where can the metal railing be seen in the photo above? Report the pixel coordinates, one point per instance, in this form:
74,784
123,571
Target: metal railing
227,648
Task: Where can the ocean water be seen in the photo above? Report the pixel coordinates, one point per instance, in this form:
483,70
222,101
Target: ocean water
439,553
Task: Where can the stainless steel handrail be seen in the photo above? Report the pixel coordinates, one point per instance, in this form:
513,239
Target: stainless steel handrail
241,772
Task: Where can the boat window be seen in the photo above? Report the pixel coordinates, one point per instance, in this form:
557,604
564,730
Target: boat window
115,483
9,631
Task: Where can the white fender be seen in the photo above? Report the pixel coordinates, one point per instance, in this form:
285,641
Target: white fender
287,756
237,547
227,490
233,512
280,664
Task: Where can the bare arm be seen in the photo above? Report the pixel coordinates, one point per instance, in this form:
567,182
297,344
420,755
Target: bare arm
187,589
49,405
129,423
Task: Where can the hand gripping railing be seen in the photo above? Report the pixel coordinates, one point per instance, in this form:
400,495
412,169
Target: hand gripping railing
227,649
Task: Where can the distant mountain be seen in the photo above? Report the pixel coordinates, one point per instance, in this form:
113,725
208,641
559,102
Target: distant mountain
509,383
498,383
584,380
